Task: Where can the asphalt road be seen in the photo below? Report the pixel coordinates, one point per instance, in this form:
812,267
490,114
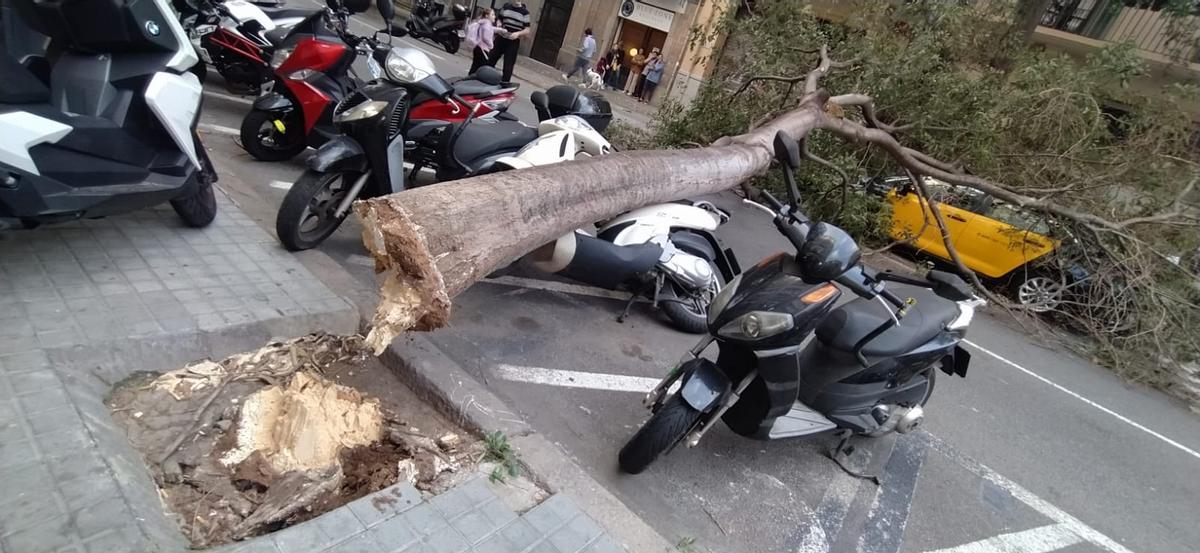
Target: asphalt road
1035,451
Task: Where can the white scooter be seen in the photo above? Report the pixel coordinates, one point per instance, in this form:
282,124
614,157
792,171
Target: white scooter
666,252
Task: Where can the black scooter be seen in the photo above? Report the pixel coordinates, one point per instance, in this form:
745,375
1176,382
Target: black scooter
105,125
427,21
870,369
367,160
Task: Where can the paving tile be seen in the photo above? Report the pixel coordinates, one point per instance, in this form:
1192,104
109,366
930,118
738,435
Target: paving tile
47,535
339,524
361,543
605,544
576,534
93,519
32,381
44,400
424,519
551,513
28,511
385,503
61,416
521,534
17,452
445,541
473,526
497,512
306,537
120,538
394,534
452,503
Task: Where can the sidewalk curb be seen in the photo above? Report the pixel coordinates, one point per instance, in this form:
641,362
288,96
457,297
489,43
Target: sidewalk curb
438,379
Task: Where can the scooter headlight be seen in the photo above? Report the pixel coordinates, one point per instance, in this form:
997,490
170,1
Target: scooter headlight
365,110
405,65
756,325
280,56
720,302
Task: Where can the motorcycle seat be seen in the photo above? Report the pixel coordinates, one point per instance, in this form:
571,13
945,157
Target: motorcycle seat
483,137
281,13
472,87
277,35
845,326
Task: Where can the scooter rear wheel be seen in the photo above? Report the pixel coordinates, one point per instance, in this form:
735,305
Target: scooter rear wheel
452,43
262,139
664,429
307,215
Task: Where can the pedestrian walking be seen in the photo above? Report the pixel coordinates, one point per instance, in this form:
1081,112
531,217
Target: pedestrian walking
654,72
637,61
583,57
481,35
513,25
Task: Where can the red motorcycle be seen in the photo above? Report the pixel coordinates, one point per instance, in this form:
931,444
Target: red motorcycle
313,76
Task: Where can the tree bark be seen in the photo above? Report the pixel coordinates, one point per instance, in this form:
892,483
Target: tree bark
434,242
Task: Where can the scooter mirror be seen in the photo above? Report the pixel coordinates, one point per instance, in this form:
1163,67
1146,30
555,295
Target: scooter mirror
787,151
388,12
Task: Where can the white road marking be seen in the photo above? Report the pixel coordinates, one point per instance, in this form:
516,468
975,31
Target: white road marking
218,129
282,185
1043,539
1075,395
364,260
229,98
1027,497
563,287
575,379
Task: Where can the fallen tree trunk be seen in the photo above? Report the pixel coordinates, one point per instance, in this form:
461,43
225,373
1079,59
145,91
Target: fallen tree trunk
434,242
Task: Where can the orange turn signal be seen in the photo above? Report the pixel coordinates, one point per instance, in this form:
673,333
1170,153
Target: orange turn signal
820,294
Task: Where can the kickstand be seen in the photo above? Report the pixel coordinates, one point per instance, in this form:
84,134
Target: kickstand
840,454
625,312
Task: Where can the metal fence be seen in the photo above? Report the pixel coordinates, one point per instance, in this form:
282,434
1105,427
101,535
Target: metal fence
1166,27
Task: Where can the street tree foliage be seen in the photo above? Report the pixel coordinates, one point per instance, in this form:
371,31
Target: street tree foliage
1110,167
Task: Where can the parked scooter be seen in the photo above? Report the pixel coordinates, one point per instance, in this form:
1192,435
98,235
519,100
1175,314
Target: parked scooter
427,21
238,38
119,132
666,253
368,159
869,371
314,70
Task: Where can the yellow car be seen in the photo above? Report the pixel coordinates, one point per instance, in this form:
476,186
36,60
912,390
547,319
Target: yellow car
994,238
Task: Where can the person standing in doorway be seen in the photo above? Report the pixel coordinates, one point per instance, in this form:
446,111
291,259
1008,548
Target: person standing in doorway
481,33
637,89
513,19
583,58
616,60
637,62
654,72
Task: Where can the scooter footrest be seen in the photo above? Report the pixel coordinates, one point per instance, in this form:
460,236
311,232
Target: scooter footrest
801,420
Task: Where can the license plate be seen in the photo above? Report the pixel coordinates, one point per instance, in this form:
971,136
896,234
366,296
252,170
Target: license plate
374,68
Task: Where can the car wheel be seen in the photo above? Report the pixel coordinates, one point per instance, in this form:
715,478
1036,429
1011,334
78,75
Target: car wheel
1039,293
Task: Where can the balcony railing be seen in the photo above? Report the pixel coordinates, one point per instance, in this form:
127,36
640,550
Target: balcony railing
1154,26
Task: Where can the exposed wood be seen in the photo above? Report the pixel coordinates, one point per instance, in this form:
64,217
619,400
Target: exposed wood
289,495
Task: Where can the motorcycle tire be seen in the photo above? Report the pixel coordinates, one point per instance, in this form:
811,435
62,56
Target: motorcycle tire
263,141
664,429
198,209
200,70
452,43
684,319
306,215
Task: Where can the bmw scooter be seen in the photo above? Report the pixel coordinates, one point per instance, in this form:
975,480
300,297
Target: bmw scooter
666,253
427,21
111,126
870,369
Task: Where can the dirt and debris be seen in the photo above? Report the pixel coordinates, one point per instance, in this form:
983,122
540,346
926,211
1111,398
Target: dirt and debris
269,438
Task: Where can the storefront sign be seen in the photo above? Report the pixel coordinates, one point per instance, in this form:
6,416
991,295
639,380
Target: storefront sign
677,6
650,16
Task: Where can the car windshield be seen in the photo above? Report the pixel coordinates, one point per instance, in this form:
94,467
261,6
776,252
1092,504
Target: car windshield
957,196
1018,218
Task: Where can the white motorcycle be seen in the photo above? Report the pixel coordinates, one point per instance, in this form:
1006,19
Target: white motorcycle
666,253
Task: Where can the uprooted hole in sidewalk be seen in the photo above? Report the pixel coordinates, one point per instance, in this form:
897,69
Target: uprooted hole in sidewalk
269,438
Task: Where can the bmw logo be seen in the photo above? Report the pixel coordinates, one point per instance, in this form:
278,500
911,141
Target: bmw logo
152,28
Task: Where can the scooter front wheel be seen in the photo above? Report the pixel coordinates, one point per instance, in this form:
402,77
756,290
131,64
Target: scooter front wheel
308,214
664,429
452,43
